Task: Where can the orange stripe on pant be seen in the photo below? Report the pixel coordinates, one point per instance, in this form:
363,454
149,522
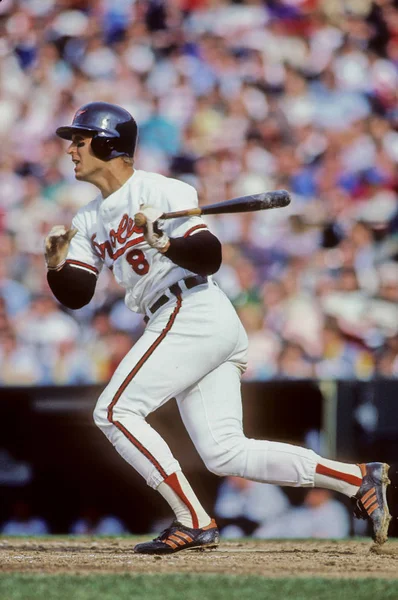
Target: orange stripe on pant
322,470
129,379
172,481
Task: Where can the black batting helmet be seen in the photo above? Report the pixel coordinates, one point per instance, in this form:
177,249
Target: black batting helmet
114,129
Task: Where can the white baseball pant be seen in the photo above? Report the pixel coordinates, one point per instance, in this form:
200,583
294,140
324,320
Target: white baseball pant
193,349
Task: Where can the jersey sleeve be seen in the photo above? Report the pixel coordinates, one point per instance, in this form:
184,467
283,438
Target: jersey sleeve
81,252
181,196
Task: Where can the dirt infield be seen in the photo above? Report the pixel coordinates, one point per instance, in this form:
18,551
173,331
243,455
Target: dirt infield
351,559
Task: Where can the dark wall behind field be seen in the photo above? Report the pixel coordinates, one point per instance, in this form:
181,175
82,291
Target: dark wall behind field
73,464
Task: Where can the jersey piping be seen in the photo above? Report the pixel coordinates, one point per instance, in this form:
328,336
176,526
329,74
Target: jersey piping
195,228
82,265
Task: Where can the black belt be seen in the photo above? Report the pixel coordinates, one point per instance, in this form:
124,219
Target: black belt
175,289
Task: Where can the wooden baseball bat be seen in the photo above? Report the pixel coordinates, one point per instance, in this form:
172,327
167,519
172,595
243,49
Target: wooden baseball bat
263,201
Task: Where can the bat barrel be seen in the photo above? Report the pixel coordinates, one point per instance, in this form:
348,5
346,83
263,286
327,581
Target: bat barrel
263,201
276,199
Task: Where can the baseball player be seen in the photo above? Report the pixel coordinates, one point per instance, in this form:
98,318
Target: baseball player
194,346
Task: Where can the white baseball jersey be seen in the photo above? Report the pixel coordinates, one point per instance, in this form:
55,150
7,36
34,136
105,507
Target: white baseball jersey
108,235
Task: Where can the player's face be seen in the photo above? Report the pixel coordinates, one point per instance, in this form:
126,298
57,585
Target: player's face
86,163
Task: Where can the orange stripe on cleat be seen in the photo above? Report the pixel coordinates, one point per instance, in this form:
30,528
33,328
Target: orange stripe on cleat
176,539
369,501
170,543
368,494
373,508
183,535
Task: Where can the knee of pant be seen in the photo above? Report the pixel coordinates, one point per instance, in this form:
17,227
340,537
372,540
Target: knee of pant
100,415
105,414
228,460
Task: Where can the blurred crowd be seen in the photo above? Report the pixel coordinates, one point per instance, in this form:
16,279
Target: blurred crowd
90,520
234,98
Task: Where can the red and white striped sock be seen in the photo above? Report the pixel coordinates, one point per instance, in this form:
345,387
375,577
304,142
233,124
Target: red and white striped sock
340,477
176,490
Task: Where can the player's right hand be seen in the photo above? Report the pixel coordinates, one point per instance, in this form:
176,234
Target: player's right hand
147,219
57,245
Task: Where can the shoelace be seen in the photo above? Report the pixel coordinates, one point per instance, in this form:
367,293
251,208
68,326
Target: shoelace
359,510
167,532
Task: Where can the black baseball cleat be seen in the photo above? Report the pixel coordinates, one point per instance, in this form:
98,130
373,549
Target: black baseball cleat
370,502
177,537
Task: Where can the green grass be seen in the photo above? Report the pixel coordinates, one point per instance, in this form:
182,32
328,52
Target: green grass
190,587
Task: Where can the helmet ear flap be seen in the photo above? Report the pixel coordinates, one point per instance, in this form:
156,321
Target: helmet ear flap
102,147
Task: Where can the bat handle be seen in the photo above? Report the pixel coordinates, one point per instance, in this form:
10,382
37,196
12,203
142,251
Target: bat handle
140,218
189,212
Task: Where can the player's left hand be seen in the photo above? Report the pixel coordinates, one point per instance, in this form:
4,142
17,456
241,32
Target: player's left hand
57,246
147,218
